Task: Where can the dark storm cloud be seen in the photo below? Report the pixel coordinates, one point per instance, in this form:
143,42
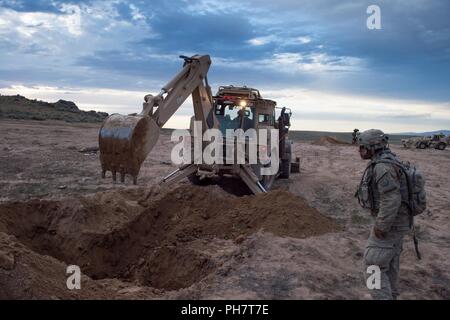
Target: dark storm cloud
408,58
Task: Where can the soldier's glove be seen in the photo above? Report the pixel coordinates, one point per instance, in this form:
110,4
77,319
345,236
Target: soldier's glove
378,233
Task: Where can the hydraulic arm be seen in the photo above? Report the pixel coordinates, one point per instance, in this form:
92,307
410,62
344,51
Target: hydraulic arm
125,141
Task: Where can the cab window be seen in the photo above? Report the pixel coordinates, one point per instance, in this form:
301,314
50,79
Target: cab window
265,119
233,117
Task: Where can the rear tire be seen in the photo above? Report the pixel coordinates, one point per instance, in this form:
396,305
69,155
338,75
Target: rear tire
441,146
422,145
285,168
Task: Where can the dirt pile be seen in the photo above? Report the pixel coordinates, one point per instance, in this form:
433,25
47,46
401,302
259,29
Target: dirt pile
157,238
327,140
212,212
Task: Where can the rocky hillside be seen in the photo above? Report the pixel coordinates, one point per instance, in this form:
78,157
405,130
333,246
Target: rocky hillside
19,107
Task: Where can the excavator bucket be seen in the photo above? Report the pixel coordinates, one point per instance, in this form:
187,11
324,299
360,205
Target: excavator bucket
124,143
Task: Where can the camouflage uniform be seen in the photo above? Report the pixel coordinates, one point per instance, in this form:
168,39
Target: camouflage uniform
391,216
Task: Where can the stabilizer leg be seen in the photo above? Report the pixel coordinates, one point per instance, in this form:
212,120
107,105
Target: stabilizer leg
251,180
179,174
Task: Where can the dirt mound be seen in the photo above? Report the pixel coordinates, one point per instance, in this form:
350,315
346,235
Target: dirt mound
327,140
212,212
156,238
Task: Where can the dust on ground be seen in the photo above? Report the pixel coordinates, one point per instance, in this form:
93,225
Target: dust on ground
304,240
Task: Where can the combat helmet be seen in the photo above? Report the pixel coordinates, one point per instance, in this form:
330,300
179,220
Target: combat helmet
374,139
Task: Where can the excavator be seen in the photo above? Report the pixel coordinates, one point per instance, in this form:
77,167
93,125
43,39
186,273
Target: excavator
126,140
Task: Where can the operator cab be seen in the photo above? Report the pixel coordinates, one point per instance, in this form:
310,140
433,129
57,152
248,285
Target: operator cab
438,137
234,116
242,108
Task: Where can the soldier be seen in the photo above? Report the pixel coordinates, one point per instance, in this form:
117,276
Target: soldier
382,190
355,136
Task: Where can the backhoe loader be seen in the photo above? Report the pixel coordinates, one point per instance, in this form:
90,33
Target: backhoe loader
125,141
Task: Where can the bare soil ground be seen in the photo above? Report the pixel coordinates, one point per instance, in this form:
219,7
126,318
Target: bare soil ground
304,240
327,140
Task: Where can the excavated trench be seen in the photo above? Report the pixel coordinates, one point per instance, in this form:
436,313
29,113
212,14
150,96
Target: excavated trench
152,238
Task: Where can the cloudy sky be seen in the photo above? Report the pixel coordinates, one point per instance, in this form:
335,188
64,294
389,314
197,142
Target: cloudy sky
316,56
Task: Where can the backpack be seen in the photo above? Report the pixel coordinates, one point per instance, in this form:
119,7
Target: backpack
417,200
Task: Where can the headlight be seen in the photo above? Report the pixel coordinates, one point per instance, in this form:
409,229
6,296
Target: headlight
243,103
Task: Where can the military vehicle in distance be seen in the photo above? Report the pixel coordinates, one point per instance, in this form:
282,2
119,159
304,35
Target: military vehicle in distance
437,141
